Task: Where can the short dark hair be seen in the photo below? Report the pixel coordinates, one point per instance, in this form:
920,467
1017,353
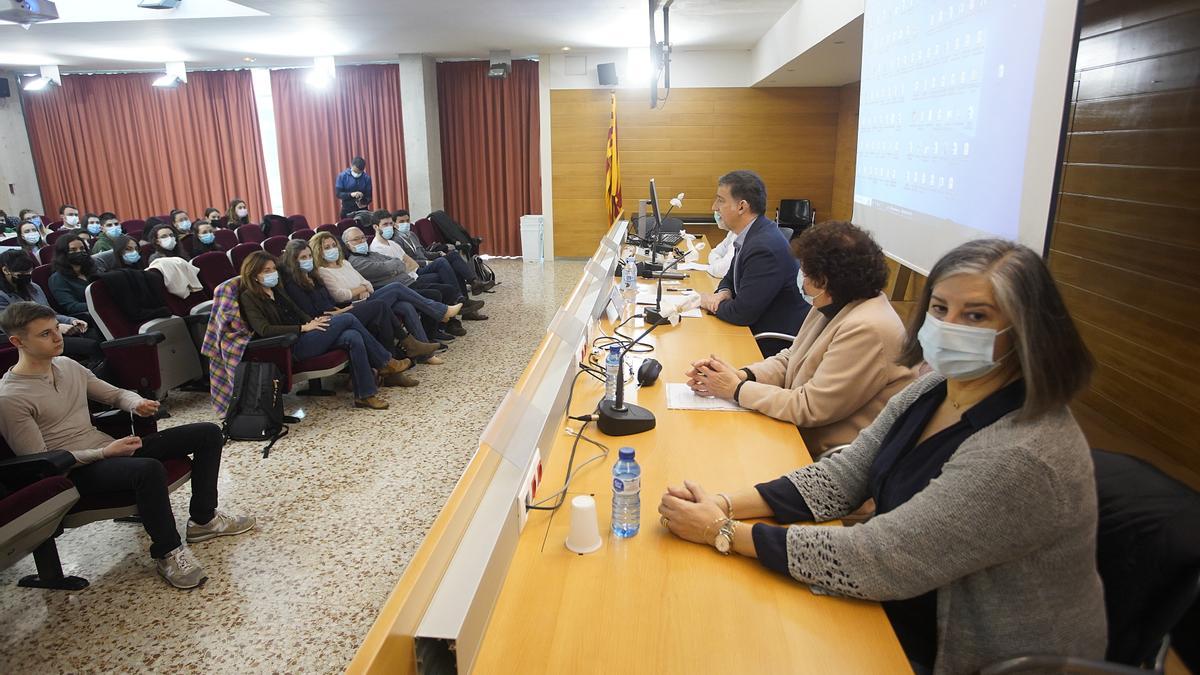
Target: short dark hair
17,260
380,215
175,212
746,185
844,257
64,207
358,163
108,215
1055,363
20,314
399,212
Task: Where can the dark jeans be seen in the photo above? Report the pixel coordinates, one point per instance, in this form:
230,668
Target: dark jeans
463,270
440,271
143,474
346,332
380,321
427,304
450,292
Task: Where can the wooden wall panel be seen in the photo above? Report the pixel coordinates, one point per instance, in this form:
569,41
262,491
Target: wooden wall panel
788,135
845,157
1125,247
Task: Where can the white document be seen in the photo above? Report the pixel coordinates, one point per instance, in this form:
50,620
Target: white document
681,397
690,266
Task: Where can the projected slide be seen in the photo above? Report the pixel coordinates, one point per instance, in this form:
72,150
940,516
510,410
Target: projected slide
947,96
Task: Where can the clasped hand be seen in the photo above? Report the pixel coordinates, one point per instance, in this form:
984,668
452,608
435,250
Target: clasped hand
690,513
714,377
319,323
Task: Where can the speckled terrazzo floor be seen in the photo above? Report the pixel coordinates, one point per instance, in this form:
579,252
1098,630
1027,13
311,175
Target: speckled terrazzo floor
343,503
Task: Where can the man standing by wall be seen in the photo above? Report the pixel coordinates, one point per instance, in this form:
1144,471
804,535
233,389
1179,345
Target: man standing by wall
353,187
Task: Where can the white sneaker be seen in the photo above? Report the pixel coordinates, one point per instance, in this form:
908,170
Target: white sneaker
181,569
222,525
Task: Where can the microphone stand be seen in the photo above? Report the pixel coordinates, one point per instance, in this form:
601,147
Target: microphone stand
617,418
655,316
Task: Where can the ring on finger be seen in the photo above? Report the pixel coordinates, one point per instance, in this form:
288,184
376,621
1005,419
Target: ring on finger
664,521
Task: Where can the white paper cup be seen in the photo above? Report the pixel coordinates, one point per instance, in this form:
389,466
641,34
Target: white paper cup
584,536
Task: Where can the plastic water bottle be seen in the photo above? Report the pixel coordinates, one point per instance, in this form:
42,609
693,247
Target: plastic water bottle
629,287
627,494
612,365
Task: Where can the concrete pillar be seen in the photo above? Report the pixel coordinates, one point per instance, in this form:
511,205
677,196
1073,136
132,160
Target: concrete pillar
422,133
19,186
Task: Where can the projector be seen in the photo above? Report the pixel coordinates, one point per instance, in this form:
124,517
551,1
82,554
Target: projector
500,63
158,4
27,11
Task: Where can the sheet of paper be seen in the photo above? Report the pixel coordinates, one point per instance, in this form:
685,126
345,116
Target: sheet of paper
681,397
692,266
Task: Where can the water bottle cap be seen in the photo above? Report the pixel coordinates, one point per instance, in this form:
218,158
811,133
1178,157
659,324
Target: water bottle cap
615,349
625,453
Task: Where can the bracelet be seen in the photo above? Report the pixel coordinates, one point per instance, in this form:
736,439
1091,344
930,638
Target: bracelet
728,504
718,521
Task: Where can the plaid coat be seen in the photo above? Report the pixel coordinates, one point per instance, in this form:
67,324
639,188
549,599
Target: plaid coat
225,342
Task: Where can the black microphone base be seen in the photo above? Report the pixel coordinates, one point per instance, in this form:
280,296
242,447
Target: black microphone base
645,269
634,419
654,317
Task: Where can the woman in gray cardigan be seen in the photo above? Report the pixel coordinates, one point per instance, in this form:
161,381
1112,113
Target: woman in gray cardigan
984,542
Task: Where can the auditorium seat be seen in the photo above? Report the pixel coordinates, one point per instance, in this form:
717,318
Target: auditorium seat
133,227
299,222
215,269
55,225
274,245
10,241
41,277
226,239
428,233
46,255
343,225
55,235
327,227
222,222
250,234
96,507
238,253
304,234
30,512
147,250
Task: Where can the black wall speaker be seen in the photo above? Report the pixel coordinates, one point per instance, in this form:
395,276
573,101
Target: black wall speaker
607,72
4,93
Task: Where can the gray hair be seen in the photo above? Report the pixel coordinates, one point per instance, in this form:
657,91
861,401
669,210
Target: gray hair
1055,363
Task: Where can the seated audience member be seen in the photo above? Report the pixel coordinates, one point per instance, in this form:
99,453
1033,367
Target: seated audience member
85,237
345,284
29,216
206,239
304,287
841,369
984,546
81,339
110,229
211,215
91,225
183,227
32,239
165,240
127,254
69,215
404,238
44,406
237,214
722,254
381,270
269,311
760,289
438,270
74,269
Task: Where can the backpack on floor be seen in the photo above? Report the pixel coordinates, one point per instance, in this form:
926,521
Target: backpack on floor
483,272
256,411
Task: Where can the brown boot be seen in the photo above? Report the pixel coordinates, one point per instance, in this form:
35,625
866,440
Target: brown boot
415,348
400,380
373,402
395,366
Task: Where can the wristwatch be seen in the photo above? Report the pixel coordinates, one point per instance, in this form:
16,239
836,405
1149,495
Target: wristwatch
724,540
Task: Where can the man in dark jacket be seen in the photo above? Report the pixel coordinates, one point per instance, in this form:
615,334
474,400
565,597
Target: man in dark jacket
760,289
353,187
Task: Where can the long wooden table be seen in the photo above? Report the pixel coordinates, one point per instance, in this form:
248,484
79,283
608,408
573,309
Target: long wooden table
654,603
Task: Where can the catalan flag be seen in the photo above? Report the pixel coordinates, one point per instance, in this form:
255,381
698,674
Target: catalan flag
612,167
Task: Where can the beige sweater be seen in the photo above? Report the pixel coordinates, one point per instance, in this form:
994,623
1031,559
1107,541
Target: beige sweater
340,280
50,412
836,376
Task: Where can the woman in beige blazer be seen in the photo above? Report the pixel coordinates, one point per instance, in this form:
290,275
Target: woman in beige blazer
841,369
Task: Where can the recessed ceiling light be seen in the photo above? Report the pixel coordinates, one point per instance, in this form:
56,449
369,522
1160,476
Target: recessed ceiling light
566,49
248,59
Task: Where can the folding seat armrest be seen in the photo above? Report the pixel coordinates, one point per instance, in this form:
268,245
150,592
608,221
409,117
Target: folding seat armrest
118,423
140,340
17,472
276,342
195,319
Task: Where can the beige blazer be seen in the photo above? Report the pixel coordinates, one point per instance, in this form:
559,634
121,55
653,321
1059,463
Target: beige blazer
837,375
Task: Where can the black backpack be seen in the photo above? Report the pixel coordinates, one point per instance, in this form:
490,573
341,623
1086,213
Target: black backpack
485,273
256,411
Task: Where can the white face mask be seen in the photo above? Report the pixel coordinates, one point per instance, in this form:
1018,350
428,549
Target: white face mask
720,223
167,243
71,220
241,213
959,352
810,299
356,173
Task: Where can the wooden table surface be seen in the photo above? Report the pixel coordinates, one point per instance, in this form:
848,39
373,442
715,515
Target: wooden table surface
654,603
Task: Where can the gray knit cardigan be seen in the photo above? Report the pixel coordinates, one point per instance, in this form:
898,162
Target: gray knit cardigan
1006,535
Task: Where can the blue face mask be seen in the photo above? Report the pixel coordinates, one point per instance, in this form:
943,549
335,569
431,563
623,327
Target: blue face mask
959,352
361,248
36,220
330,254
307,265
388,231
208,238
404,227
184,225
93,228
270,280
113,232
32,237
131,257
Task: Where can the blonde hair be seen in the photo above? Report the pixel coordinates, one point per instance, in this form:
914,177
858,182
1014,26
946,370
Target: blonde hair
318,251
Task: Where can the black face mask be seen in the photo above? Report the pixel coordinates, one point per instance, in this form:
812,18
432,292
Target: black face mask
77,257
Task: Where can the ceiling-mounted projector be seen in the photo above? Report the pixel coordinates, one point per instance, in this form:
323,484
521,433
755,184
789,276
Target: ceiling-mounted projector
500,63
158,4
27,11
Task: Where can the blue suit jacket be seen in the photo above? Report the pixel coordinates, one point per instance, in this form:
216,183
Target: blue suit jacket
766,297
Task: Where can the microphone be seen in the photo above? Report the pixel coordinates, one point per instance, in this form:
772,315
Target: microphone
655,316
677,201
617,418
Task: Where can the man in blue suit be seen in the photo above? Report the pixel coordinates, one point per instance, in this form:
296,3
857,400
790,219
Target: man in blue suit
760,289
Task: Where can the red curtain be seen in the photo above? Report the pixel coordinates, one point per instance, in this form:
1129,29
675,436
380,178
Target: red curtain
491,169
320,130
115,143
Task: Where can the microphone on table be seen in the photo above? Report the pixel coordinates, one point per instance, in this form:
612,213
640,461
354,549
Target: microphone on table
618,418
676,201
655,316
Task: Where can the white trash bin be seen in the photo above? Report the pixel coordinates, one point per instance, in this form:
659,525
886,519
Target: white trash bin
531,237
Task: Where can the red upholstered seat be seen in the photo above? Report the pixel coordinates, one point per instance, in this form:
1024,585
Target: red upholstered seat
226,239
325,361
31,496
274,245
133,227
41,277
428,233
299,222
238,254
215,268
304,234
250,234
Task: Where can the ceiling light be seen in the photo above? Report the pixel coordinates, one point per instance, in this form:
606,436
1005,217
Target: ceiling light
323,72
167,81
37,84
49,75
248,59
566,49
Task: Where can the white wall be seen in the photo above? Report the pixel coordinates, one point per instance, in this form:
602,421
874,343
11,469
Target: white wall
801,28
18,180
728,68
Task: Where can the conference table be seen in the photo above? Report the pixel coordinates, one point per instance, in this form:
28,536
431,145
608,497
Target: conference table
654,603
